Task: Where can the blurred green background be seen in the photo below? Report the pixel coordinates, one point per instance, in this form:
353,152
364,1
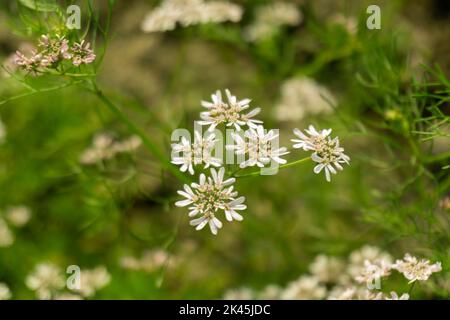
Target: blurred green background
391,114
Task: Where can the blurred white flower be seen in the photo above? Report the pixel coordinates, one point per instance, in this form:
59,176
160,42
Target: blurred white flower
301,97
189,12
271,292
327,152
394,296
67,296
373,271
46,280
209,196
5,293
229,112
370,295
104,147
259,146
327,269
150,261
350,24
6,235
18,215
187,155
239,294
93,280
305,288
414,269
340,293
358,258
128,145
269,18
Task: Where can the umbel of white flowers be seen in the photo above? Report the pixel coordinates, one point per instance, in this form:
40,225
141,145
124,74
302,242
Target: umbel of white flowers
210,196
214,194
326,151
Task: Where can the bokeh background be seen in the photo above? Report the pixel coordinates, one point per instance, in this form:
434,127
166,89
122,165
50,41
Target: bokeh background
390,93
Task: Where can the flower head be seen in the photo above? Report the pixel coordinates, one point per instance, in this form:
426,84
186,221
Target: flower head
210,196
301,97
326,151
5,293
305,288
45,280
259,146
230,112
81,53
188,155
271,17
189,12
414,269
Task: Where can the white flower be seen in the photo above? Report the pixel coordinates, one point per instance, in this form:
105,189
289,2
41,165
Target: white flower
326,269
93,280
229,112
5,293
150,261
394,296
104,147
18,216
196,153
339,293
239,294
370,295
45,280
209,196
270,17
271,292
414,269
258,146
301,97
360,258
189,12
305,288
373,271
326,151
67,296
6,235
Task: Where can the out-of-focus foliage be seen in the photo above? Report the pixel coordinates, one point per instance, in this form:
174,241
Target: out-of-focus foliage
391,111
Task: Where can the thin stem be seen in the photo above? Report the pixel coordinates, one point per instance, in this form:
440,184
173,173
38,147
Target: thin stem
411,288
165,162
26,94
287,165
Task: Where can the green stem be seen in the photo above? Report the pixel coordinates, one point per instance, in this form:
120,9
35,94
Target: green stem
287,165
165,162
411,288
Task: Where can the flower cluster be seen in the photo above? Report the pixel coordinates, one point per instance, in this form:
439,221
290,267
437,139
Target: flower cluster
5,293
190,12
334,278
258,146
47,281
51,50
254,146
301,97
16,216
104,147
326,151
187,154
210,196
150,261
270,17
230,112
416,270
